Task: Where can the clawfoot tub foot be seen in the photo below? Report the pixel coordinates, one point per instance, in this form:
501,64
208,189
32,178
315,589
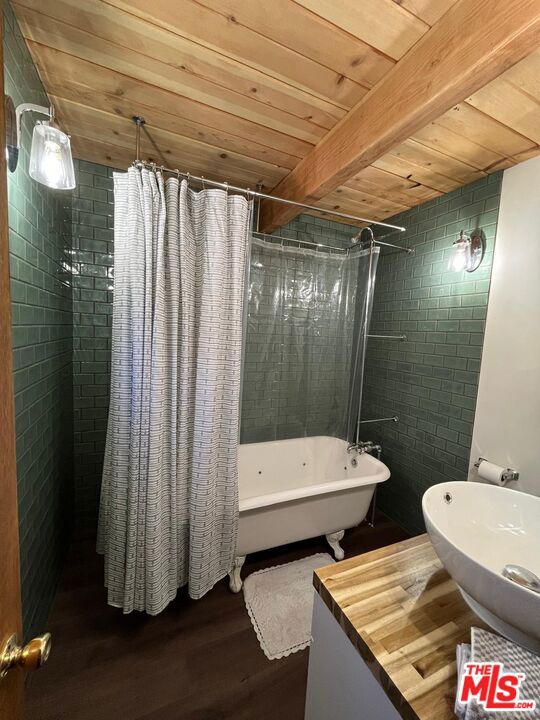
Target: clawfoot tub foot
235,581
333,540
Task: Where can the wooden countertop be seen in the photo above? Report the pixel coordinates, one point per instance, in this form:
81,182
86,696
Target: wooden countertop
405,616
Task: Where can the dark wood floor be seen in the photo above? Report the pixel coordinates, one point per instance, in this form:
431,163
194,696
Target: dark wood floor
198,660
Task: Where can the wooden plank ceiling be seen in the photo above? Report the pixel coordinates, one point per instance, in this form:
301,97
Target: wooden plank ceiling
242,90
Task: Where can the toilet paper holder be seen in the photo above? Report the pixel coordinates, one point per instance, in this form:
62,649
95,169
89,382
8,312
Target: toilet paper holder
508,475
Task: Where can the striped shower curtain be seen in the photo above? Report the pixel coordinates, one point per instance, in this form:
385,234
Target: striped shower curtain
169,498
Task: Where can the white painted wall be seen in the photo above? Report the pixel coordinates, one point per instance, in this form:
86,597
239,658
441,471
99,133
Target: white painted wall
507,422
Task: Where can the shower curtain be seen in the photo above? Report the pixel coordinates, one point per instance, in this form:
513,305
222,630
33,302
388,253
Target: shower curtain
169,499
305,324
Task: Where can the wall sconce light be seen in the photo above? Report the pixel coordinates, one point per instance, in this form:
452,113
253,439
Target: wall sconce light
468,251
51,162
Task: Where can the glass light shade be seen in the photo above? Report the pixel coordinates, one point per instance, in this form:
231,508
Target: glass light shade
461,255
50,158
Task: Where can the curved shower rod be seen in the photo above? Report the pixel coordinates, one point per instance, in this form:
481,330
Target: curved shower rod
141,123
264,196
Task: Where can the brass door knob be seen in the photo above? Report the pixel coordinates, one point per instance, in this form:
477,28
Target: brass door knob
28,657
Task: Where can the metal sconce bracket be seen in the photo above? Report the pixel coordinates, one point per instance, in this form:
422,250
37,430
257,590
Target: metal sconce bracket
476,247
51,159
13,126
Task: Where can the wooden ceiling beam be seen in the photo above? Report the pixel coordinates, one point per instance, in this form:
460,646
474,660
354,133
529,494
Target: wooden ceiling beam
473,43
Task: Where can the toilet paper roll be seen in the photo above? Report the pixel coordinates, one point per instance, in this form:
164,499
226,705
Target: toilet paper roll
491,472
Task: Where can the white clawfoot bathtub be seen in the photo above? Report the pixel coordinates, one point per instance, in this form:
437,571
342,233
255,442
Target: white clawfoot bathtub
291,490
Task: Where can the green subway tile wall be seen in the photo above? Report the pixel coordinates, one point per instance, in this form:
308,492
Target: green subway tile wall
92,317
431,380
39,241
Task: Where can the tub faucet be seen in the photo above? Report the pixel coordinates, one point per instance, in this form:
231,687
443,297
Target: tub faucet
365,447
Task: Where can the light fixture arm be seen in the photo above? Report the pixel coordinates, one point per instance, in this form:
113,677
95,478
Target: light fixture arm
30,107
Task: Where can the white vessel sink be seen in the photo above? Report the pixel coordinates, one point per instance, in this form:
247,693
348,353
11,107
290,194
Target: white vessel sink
476,530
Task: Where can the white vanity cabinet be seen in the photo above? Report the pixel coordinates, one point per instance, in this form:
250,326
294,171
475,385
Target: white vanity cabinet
340,684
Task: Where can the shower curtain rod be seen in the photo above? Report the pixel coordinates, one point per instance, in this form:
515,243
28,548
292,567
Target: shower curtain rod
303,242
357,239
256,194
345,250
397,247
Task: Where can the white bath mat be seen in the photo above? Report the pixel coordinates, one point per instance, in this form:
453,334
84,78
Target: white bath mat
279,601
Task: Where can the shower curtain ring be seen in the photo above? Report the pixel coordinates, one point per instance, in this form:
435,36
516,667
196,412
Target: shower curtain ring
226,188
202,181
